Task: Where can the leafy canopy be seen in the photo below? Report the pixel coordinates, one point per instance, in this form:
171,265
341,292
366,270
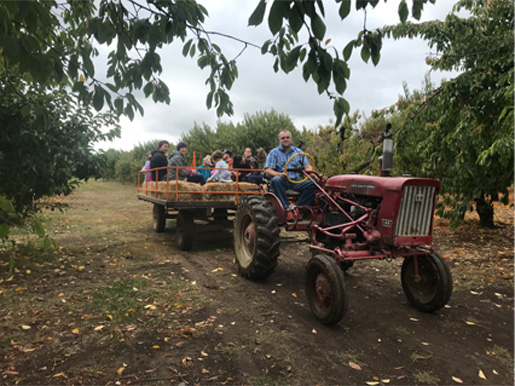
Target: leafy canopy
56,43
462,132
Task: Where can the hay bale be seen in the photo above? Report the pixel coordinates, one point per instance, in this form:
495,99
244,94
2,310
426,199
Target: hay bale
212,190
167,190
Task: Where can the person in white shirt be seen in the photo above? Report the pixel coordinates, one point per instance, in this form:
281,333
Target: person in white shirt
219,175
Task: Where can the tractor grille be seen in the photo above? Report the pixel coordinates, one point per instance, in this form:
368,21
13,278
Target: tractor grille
416,211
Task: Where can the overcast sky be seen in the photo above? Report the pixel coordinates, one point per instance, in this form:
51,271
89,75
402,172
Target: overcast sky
259,88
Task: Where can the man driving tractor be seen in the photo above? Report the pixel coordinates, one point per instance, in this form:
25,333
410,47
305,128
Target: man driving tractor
280,182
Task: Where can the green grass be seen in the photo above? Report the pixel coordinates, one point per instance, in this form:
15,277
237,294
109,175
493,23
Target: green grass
426,377
121,302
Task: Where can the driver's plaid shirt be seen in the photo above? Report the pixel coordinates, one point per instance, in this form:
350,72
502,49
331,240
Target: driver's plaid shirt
277,159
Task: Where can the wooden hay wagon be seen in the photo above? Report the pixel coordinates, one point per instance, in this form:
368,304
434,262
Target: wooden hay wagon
190,203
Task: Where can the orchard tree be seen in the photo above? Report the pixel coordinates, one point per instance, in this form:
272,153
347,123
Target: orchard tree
45,143
256,130
465,135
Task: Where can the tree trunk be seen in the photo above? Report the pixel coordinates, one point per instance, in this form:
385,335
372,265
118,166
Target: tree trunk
485,210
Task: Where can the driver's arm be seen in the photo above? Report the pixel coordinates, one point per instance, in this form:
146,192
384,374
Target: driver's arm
270,173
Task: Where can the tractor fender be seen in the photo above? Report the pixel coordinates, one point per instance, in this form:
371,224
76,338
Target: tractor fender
278,207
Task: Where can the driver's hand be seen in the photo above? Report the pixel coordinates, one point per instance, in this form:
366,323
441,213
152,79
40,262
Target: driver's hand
284,176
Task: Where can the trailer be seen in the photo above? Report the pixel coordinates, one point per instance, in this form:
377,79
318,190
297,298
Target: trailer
191,204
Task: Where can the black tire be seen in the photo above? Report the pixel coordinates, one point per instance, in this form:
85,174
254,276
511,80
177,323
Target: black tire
159,218
325,289
185,230
256,238
434,288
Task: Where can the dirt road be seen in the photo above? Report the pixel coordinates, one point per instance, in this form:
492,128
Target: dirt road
191,318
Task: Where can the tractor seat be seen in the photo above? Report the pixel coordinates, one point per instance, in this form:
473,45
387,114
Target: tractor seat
292,193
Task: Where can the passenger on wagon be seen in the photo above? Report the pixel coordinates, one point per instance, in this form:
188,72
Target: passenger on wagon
227,157
158,160
219,174
178,158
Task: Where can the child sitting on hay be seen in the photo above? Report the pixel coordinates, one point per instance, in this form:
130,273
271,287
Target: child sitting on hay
219,175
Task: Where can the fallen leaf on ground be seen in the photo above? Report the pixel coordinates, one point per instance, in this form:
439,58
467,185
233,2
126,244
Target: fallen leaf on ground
373,383
314,331
457,380
414,319
58,375
425,343
470,323
204,371
10,372
25,327
150,371
120,370
354,366
481,375
294,295
495,372
98,328
155,347
75,331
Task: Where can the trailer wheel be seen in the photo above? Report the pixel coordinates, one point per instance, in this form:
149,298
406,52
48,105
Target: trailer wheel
432,289
185,230
159,218
256,238
325,289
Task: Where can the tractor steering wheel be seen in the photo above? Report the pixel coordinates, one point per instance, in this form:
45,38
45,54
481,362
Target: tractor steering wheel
312,161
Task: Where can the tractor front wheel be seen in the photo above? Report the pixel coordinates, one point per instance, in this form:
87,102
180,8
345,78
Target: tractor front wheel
185,230
325,289
431,288
256,238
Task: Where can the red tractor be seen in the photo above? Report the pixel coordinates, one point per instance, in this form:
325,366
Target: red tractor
354,217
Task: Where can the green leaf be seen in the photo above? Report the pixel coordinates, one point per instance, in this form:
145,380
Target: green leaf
10,47
296,18
347,51
98,98
275,18
257,16
416,9
6,205
403,11
4,231
46,243
38,227
344,9
186,48
365,53
318,26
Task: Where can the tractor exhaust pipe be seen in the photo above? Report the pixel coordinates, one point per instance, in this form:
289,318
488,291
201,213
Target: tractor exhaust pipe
387,158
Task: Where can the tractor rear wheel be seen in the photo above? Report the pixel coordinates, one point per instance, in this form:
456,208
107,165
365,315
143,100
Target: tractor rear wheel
325,289
431,289
185,230
256,238
159,218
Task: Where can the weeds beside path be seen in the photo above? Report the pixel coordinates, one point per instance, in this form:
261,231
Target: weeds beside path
120,304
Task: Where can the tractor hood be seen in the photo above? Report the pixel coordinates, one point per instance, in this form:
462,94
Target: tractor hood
375,186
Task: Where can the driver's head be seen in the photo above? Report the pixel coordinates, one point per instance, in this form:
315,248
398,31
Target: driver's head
285,138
